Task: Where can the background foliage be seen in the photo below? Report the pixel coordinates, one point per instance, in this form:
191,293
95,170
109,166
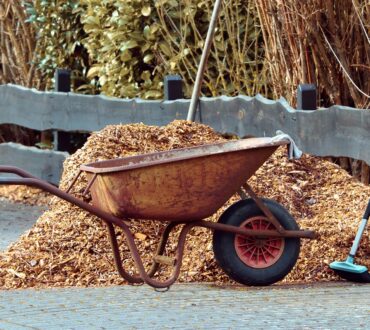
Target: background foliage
17,45
59,35
17,60
125,48
135,43
326,43
321,42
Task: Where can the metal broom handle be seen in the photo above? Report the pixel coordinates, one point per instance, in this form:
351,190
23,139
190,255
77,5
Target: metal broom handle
203,62
360,231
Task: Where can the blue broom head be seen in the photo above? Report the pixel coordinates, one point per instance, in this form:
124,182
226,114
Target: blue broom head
350,271
347,266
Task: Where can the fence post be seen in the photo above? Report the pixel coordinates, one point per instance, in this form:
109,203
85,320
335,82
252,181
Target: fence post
62,84
173,87
306,97
49,138
62,80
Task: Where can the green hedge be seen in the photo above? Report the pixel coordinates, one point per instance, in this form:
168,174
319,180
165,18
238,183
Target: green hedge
59,35
132,44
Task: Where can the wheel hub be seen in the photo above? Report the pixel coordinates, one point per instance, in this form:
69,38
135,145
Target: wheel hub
259,252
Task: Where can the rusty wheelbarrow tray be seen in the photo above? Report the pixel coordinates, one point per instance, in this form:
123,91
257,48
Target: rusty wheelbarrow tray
254,238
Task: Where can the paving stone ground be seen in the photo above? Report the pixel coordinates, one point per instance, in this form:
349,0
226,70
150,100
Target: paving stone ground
185,306
15,219
188,306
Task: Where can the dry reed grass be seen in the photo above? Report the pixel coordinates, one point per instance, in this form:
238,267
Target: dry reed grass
17,53
321,42
17,45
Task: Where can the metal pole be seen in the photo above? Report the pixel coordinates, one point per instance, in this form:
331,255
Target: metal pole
203,62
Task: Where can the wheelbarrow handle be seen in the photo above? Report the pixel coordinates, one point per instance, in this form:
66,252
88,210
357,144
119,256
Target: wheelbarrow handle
43,185
110,220
17,171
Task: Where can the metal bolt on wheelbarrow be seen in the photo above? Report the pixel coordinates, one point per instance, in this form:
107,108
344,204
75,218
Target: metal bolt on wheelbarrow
256,241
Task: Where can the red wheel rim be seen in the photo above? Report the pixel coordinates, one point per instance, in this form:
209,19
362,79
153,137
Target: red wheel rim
258,252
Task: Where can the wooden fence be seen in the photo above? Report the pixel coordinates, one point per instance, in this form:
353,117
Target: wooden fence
335,131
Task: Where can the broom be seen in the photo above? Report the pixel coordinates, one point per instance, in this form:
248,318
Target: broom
348,269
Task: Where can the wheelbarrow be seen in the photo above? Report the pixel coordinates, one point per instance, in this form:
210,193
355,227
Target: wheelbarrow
256,241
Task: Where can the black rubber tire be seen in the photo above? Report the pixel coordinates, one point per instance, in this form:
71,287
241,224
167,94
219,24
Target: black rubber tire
226,255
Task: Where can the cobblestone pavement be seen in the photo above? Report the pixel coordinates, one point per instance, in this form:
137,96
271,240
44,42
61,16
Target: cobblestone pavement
15,219
186,306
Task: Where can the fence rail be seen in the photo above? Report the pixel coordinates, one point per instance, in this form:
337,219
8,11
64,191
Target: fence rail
44,164
335,131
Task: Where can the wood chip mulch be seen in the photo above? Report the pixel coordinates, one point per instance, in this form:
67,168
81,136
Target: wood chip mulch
25,195
68,247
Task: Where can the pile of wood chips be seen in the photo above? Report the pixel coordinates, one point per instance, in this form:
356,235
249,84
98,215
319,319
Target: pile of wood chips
68,247
24,194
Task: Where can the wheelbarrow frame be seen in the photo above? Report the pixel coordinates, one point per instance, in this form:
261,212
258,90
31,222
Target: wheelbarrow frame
110,220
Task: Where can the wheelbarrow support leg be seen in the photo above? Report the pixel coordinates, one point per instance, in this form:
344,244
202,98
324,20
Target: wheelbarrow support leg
139,263
117,257
161,246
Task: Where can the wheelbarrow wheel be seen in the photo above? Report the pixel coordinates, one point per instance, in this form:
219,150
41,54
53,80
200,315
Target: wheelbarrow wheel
252,260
